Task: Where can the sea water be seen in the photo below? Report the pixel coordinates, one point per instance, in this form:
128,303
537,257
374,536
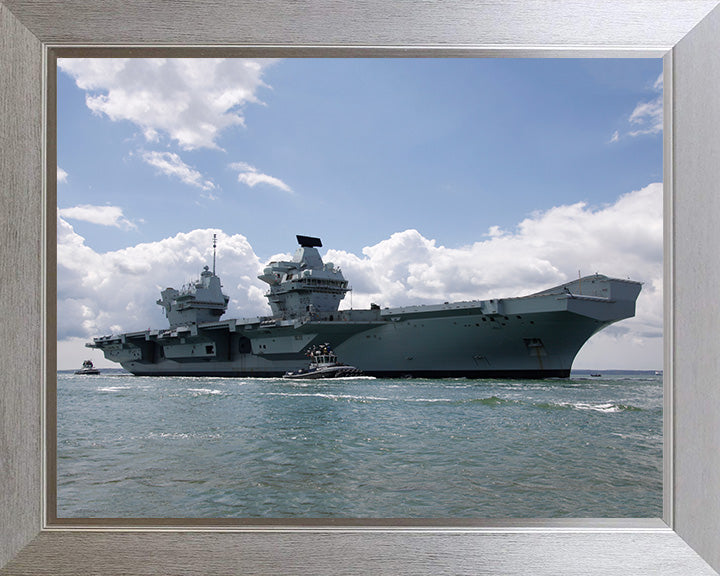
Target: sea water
208,447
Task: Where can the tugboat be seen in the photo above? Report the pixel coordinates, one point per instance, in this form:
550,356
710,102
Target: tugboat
87,368
323,364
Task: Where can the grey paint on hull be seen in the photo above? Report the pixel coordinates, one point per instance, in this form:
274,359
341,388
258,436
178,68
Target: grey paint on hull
534,337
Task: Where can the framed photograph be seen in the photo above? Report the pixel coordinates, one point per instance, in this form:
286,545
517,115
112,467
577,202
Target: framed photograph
415,365
432,547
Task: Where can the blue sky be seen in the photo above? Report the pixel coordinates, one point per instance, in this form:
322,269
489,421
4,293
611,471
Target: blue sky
478,161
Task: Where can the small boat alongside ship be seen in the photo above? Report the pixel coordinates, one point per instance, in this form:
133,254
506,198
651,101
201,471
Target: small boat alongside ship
87,368
323,364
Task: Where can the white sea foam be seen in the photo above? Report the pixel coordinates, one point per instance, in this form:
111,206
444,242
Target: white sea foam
113,388
204,391
329,396
596,407
182,435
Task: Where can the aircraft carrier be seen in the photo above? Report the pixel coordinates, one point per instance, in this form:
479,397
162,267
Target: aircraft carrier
535,336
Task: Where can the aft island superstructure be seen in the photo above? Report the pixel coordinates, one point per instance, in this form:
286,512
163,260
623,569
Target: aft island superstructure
535,336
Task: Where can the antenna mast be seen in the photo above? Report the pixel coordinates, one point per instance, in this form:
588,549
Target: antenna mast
214,247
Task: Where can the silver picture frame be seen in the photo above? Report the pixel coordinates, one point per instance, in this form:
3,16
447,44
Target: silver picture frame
686,33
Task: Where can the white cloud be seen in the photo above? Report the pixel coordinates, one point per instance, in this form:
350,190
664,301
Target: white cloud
658,85
647,116
102,215
100,293
71,352
250,176
116,291
172,165
623,239
62,176
191,100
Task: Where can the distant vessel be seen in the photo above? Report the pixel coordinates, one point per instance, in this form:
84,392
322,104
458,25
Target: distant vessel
534,336
323,364
87,368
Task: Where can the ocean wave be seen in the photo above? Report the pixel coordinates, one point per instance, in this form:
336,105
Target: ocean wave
606,407
490,401
328,396
204,391
180,436
300,383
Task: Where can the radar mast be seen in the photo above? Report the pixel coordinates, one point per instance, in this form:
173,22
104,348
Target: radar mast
214,247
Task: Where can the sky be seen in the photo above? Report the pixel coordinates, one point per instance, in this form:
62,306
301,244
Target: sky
428,180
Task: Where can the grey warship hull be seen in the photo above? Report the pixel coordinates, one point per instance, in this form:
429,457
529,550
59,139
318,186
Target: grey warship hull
535,336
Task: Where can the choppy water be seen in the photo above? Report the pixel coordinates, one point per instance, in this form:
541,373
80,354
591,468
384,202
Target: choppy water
374,448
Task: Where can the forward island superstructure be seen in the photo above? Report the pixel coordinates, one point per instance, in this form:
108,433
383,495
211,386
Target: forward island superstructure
535,336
